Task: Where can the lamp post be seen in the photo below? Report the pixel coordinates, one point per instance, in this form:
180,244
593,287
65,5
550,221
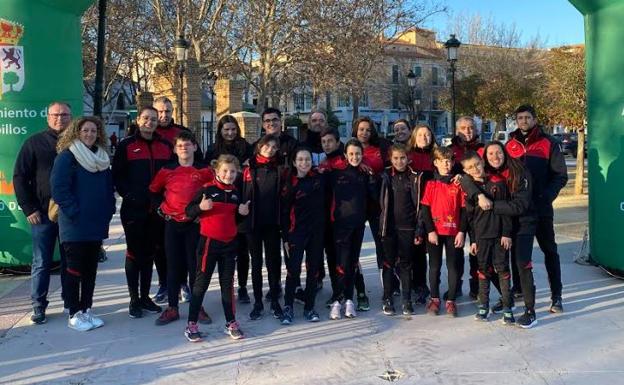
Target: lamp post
411,82
211,80
181,46
452,46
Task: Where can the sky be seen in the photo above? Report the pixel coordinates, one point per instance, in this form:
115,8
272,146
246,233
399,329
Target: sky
556,21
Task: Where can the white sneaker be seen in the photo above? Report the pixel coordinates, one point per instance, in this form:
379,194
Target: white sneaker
95,321
79,322
334,313
350,309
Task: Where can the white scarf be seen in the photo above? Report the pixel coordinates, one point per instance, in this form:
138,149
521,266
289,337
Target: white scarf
91,161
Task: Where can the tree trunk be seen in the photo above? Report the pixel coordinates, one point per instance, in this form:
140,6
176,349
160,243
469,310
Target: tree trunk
580,163
356,107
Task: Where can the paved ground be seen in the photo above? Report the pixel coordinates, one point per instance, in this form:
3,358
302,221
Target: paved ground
581,346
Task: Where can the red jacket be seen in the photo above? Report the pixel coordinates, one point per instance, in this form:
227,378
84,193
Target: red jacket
179,184
218,223
373,158
443,202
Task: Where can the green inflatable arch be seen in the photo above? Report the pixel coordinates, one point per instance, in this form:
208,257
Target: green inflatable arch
604,35
40,61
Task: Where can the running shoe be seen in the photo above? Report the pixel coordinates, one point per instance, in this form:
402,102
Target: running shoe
79,322
233,330
451,309
408,308
483,313
192,332
97,322
350,309
421,295
169,315
149,306
38,316
161,295
499,307
300,295
363,303
257,312
335,312
311,315
287,316
388,307
243,296
556,306
508,317
433,307
134,310
276,310
527,320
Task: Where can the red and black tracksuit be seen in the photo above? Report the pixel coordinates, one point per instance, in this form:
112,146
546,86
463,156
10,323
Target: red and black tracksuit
375,158
486,229
399,227
443,212
542,156
175,185
303,199
217,245
460,148
352,190
136,162
261,182
421,161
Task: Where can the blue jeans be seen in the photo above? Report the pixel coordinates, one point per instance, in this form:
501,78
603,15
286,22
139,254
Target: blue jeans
44,239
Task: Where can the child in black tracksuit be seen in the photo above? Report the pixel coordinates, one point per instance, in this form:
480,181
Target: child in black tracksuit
444,217
217,205
303,196
490,237
399,226
261,182
352,188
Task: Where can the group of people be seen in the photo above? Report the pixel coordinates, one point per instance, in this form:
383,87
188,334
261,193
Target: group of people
280,200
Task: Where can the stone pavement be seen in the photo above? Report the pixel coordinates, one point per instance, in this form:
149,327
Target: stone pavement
580,346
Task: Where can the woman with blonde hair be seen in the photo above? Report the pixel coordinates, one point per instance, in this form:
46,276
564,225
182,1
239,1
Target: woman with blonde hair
82,186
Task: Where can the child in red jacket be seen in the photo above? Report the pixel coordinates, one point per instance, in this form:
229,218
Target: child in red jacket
444,216
217,205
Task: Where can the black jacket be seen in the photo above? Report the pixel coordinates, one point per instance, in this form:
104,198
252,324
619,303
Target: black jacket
260,183
31,175
486,224
135,164
352,189
399,200
303,202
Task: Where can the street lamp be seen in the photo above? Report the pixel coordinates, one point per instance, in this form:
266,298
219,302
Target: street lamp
181,46
411,82
211,80
452,46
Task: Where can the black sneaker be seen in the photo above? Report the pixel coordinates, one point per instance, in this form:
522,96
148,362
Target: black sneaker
421,296
498,308
482,313
556,306
508,317
362,302
276,309
243,296
234,331
149,306
527,320
408,308
300,296
287,316
257,312
388,307
134,310
311,315
38,316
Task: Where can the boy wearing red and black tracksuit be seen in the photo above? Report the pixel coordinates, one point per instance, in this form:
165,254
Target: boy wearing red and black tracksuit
444,217
136,162
399,230
542,156
302,230
487,229
175,185
217,245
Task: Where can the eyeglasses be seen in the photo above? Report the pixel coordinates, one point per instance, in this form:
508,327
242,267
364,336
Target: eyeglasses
63,115
274,120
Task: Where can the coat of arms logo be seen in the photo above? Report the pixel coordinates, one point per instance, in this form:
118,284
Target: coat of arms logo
12,74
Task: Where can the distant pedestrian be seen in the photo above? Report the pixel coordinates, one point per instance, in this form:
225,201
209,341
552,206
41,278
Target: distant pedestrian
82,186
113,142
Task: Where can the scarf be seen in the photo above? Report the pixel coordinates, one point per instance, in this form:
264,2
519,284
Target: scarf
90,161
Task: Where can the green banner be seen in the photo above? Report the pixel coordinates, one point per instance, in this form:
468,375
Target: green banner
605,124
40,61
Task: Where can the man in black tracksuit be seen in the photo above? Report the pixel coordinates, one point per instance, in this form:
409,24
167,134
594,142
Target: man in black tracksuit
136,162
399,229
542,156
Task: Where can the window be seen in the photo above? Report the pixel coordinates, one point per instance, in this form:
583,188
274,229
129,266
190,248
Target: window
395,99
418,94
364,100
418,71
434,76
299,101
307,102
395,74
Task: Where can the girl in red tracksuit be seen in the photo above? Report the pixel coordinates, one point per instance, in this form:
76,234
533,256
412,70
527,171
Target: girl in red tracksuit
172,189
217,205
444,216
